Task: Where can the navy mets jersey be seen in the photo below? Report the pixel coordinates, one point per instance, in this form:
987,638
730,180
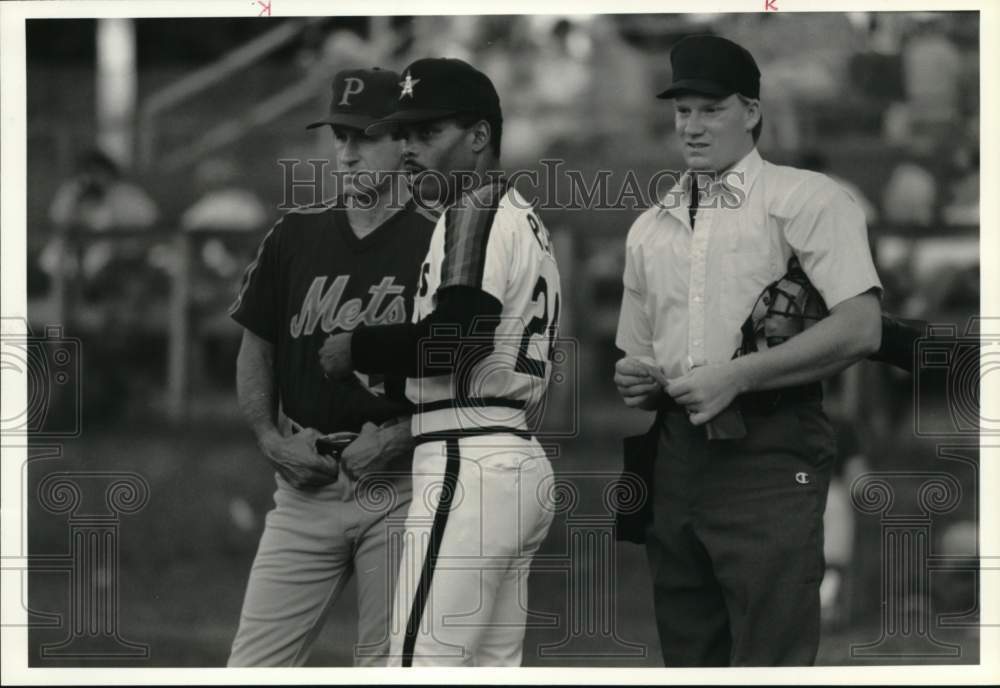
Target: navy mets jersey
313,277
490,240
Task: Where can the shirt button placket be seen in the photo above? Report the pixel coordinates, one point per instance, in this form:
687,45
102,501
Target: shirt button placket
696,297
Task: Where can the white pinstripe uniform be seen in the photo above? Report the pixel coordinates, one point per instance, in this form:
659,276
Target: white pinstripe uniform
480,509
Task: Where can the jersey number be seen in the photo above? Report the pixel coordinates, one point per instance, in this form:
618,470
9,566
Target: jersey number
541,236
424,270
538,326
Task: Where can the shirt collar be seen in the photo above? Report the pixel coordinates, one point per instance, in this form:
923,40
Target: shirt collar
737,179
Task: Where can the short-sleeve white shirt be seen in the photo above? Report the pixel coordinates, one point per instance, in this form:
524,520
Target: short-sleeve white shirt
688,292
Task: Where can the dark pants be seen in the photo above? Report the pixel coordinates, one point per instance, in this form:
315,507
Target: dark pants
736,542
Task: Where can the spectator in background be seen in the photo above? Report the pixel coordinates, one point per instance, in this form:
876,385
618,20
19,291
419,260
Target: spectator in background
884,32
963,206
224,206
564,51
957,545
932,70
104,284
96,198
910,195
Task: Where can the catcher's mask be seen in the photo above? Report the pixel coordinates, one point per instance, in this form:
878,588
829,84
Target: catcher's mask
784,309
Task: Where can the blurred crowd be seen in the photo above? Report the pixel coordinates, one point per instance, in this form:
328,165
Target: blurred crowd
840,90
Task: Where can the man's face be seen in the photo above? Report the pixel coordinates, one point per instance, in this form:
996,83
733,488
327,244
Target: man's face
439,146
714,132
364,162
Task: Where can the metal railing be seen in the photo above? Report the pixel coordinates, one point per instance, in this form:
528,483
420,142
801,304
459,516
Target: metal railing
198,81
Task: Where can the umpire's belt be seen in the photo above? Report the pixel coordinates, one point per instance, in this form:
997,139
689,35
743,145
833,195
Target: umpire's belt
760,403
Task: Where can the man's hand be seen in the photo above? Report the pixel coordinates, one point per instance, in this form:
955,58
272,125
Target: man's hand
637,383
708,389
335,355
296,459
375,448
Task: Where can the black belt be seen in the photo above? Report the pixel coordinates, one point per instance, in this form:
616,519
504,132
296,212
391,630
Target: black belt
457,434
760,403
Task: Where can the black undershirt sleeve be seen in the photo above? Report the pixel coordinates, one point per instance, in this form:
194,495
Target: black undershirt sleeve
458,332
899,337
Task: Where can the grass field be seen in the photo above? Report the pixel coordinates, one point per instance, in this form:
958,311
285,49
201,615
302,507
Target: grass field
185,556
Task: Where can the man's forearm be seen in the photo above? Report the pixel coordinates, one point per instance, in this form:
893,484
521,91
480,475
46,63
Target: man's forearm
847,335
465,316
255,387
387,349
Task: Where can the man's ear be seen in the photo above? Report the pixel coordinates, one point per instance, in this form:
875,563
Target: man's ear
480,134
751,114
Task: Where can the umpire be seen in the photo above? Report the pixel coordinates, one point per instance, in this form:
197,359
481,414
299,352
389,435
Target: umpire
735,542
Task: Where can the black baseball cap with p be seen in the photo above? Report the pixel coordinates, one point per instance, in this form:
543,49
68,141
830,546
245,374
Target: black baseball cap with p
361,97
712,66
438,87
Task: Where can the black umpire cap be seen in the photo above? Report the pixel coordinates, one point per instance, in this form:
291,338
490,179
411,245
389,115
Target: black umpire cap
360,97
712,66
438,87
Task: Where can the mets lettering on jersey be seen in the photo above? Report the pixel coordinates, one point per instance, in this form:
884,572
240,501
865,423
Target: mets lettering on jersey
313,277
491,240
325,308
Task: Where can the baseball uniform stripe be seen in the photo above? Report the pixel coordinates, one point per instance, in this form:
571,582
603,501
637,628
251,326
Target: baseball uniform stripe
433,547
248,273
467,234
491,194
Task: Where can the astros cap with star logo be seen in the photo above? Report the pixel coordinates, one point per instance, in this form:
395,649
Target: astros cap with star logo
360,97
438,87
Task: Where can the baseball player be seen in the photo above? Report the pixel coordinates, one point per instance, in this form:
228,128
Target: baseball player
735,542
477,359
319,271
